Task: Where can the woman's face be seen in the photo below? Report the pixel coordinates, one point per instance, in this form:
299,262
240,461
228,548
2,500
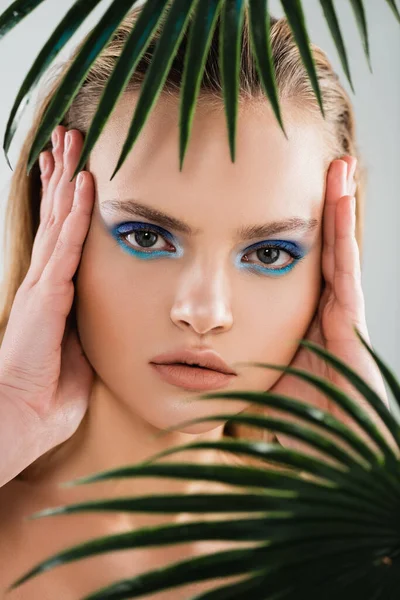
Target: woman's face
198,288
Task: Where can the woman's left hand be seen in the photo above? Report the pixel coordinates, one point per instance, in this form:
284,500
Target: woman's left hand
340,307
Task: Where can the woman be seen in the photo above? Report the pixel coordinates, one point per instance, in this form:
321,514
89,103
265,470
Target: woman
241,259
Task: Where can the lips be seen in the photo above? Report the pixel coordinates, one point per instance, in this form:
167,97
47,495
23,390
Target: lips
208,359
191,377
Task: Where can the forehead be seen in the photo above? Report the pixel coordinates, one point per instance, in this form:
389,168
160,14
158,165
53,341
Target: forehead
271,176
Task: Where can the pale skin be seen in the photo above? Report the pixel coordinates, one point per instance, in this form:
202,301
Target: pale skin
201,297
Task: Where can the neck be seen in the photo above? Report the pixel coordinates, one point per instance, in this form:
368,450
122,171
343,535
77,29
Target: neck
112,435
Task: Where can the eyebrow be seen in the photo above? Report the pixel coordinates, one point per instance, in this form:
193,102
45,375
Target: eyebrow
136,209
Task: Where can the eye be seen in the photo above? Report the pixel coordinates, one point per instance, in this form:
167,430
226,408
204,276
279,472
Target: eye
137,237
277,256
145,240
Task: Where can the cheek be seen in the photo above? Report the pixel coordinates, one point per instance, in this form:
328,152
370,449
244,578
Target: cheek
274,315
116,311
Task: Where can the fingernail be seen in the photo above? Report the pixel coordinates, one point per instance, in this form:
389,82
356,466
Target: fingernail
353,205
67,140
42,163
80,180
54,138
350,175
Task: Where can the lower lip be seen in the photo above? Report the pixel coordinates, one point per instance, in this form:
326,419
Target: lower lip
192,378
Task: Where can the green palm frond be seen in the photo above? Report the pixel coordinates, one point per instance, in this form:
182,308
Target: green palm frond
75,76
359,13
173,30
394,8
295,17
330,522
17,11
63,32
229,48
204,18
261,43
333,23
136,43
200,36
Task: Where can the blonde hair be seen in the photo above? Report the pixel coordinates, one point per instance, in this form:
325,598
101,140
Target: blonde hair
23,209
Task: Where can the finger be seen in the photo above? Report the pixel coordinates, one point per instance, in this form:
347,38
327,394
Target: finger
347,280
58,151
64,192
46,169
335,188
351,169
58,205
40,248
68,250
46,164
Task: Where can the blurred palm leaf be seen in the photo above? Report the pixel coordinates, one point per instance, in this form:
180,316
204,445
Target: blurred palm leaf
63,32
331,522
15,13
202,16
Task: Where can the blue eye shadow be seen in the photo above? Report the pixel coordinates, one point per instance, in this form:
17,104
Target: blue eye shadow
126,228
295,249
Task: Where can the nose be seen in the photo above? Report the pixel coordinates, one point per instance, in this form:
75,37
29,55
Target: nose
202,302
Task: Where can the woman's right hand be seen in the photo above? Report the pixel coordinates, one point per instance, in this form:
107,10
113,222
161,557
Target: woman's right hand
45,379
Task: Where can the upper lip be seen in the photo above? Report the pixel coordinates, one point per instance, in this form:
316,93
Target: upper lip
205,358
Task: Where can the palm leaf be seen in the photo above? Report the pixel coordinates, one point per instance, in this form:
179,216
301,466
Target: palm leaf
286,556
394,8
358,484
232,19
199,40
229,57
204,567
345,402
338,504
293,430
297,408
277,527
362,386
261,45
17,11
386,372
361,20
283,550
295,17
156,75
240,476
63,32
344,511
76,74
336,394
240,590
135,45
333,23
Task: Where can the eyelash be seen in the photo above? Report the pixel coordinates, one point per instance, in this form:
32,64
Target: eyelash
120,232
